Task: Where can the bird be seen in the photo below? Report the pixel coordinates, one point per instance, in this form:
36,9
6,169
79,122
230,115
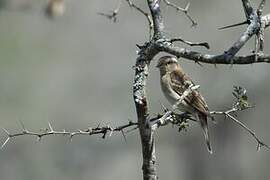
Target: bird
174,81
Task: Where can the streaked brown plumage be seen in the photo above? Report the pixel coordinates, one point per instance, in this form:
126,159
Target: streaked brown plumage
174,82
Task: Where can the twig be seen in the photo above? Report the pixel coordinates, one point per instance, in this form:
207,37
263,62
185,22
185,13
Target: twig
184,10
227,113
113,15
104,131
204,44
148,17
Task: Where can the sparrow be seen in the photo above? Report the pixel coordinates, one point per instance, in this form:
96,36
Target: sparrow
55,8
174,81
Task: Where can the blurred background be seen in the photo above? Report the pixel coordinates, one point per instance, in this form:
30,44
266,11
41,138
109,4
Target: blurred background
76,71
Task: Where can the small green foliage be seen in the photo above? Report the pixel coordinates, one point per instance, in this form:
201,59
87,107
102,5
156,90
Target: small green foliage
181,121
241,97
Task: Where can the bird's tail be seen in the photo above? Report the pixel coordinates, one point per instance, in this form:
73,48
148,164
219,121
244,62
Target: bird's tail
203,122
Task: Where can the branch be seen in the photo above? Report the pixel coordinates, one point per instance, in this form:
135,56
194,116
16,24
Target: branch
228,113
247,8
145,55
154,6
209,58
104,131
184,10
147,52
148,17
113,15
257,25
204,44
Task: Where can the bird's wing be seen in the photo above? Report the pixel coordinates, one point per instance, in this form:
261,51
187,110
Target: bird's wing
179,83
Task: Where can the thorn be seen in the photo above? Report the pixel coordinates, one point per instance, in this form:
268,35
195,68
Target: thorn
6,131
104,135
128,131
50,126
98,125
4,144
234,25
38,138
187,7
111,132
23,127
197,62
130,121
124,136
259,147
71,136
139,46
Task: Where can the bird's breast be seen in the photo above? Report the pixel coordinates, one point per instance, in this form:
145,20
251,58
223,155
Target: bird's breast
171,95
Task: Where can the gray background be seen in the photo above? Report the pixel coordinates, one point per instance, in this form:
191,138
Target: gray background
77,72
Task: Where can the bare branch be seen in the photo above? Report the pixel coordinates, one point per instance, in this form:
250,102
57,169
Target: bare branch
113,15
228,114
261,6
234,25
154,6
104,131
211,59
247,8
184,10
148,17
204,44
241,103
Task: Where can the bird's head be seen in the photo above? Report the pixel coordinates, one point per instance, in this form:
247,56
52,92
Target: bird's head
167,63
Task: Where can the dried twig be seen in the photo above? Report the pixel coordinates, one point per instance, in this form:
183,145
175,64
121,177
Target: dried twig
241,103
104,131
204,44
148,17
113,15
228,114
184,10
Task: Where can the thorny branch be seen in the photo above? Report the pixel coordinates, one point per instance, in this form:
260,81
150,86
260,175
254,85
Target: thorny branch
148,17
229,113
204,44
241,103
113,15
256,26
159,43
104,131
184,10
